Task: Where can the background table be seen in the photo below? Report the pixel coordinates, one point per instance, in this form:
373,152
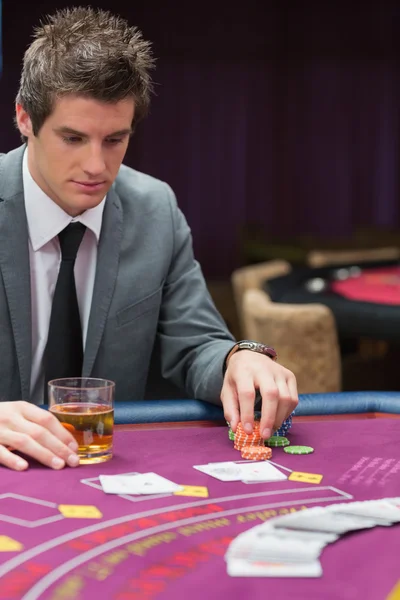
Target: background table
354,318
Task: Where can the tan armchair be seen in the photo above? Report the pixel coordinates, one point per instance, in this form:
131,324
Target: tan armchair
251,277
324,258
304,336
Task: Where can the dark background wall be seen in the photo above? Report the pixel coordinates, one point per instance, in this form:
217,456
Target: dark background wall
283,115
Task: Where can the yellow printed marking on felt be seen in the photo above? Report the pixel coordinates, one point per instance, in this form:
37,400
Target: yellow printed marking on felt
72,511
198,491
305,477
7,544
395,593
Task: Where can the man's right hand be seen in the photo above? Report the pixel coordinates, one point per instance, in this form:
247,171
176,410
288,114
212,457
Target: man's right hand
34,432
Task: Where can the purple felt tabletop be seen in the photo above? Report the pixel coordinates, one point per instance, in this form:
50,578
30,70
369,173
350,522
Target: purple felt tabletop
172,546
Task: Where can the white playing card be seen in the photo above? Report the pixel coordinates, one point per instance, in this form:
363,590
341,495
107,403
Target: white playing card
323,538
140,484
395,501
321,519
260,472
290,545
225,471
247,472
241,568
274,548
382,511
253,537
266,543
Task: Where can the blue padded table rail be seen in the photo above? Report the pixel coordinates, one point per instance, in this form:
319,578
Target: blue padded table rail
155,411
348,402
167,411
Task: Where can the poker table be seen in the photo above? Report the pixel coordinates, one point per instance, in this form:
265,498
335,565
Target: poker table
364,297
62,537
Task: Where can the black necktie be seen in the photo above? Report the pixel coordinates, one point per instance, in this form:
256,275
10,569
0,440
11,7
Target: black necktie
63,355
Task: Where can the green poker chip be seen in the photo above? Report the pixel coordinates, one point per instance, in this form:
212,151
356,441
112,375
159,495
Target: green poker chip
276,441
299,450
231,435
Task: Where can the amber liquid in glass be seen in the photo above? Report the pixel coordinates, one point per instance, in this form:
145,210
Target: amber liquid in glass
91,425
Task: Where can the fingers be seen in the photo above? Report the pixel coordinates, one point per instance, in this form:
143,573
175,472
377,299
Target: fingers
284,402
10,460
51,443
246,397
47,420
230,404
36,433
27,445
238,398
276,385
270,405
294,396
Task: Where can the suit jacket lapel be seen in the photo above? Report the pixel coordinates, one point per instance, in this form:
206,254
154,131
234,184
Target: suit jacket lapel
14,261
106,277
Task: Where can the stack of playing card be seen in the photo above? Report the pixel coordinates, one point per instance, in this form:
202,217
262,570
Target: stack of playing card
254,472
290,545
138,484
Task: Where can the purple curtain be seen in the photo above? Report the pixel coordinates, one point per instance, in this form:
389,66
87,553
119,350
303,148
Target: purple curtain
284,115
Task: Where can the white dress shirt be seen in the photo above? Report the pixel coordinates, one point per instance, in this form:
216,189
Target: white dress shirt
45,221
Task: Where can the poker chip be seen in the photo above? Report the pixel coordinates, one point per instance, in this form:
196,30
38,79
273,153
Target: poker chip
240,433
276,441
298,450
247,440
256,452
244,436
231,435
242,444
284,428
243,439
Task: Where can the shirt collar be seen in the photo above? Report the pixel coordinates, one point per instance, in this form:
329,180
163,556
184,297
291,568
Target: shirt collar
46,219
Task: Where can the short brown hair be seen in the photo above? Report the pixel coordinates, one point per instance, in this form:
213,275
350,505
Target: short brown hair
87,52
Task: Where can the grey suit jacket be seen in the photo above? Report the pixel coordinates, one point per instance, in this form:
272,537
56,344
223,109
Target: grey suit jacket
148,291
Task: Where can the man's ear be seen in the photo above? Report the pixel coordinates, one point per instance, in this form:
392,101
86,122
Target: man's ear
23,121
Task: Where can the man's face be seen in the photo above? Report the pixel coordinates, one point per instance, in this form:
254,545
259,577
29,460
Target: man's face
79,149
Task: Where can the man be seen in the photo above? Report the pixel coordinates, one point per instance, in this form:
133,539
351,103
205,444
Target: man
98,256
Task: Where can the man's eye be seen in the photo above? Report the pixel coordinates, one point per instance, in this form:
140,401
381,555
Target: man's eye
72,139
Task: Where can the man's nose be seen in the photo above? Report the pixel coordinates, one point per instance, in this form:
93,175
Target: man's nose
94,163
